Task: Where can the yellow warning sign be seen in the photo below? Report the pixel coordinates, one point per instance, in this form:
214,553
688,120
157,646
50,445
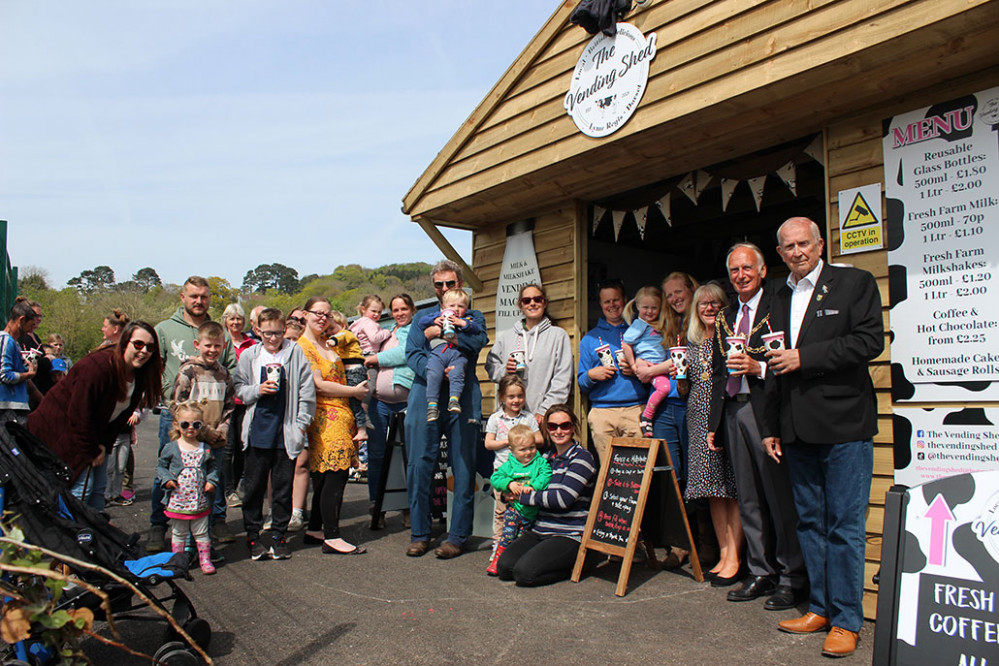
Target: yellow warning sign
860,219
860,214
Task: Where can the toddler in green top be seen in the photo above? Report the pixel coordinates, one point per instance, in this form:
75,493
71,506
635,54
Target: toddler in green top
523,470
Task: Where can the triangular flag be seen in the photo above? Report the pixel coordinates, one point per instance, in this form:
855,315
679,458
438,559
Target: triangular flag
687,187
618,216
788,174
641,216
663,205
814,150
701,183
598,213
756,185
727,189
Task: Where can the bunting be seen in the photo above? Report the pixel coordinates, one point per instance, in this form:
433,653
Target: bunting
618,217
727,189
695,183
788,173
756,187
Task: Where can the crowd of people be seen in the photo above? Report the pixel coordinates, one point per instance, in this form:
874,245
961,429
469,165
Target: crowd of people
771,443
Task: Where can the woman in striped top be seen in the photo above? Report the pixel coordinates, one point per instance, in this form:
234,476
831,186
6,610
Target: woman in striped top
547,553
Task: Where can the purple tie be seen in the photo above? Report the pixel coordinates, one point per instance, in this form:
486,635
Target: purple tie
734,382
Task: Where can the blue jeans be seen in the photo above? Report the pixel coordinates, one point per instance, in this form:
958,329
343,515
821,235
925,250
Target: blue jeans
671,425
422,444
380,414
832,484
95,479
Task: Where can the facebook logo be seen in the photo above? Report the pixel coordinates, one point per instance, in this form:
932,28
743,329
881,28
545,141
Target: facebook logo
919,433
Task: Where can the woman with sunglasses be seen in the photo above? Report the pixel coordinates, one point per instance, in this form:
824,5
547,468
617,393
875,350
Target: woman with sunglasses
332,451
81,415
547,553
392,385
234,322
536,349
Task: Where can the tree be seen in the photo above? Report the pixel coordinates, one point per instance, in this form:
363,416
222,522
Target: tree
147,278
222,292
271,276
99,279
32,279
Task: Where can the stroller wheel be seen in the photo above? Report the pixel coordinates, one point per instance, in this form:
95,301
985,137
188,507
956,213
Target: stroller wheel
200,631
175,653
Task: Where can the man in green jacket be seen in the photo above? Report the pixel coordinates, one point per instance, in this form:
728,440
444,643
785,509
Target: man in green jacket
176,337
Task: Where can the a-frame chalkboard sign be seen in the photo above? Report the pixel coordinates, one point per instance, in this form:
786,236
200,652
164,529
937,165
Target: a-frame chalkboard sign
618,503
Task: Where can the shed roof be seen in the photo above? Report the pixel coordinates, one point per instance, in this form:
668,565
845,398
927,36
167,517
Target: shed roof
730,77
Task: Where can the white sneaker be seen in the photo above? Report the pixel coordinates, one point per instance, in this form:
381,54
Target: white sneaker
268,523
297,521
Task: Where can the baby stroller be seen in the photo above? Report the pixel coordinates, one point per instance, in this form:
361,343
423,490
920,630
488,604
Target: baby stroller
34,496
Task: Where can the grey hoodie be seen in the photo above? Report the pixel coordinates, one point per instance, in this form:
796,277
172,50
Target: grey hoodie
548,355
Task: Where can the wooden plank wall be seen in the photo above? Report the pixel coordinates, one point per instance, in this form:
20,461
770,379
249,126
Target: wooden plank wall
854,157
709,53
558,248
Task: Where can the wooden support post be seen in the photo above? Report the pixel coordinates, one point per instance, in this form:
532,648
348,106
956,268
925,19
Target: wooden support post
442,243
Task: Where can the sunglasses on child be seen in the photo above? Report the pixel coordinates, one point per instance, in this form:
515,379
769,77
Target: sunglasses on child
140,344
300,320
184,425
446,283
527,300
564,426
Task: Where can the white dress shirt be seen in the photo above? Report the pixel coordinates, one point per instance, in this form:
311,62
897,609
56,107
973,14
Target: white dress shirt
754,304
801,296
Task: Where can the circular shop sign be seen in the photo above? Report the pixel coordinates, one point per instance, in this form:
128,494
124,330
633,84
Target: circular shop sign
609,80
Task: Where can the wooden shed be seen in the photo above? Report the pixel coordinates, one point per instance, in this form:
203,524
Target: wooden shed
737,89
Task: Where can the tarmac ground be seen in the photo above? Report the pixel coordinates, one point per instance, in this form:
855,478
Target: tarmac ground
385,608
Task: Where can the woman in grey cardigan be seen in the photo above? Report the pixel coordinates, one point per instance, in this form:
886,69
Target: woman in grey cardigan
536,349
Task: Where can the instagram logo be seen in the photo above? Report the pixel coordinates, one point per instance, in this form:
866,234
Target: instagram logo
920,444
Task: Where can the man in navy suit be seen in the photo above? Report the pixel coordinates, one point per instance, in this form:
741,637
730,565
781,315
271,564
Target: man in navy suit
822,418
766,504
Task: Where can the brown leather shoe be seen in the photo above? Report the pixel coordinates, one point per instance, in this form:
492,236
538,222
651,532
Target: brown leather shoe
447,550
808,623
839,643
418,548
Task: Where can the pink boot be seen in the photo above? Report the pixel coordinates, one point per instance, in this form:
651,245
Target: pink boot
491,569
177,546
205,558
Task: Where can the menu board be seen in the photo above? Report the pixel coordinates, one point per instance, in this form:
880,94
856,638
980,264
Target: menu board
942,191
619,497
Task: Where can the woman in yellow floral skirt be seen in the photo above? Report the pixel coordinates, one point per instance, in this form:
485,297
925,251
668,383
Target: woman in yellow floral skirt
332,450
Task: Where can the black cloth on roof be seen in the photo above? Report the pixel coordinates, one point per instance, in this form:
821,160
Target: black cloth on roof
600,15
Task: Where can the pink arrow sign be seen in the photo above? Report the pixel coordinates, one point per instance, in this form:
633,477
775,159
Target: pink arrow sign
939,514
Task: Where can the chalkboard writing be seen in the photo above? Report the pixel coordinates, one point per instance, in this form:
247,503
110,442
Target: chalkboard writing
619,498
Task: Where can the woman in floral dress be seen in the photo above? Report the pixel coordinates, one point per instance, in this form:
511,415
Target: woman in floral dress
332,450
710,472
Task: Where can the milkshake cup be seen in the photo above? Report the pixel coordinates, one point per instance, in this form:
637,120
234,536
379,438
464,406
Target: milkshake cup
735,344
605,355
773,341
518,358
273,373
619,355
679,357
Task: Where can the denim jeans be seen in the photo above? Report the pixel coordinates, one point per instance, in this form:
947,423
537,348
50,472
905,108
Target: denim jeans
95,479
832,484
380,414
671,425
422,445
157,517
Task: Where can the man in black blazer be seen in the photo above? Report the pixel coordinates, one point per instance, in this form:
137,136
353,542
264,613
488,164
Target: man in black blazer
766,505
822,418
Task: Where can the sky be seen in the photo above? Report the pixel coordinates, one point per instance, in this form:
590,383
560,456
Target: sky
212,137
